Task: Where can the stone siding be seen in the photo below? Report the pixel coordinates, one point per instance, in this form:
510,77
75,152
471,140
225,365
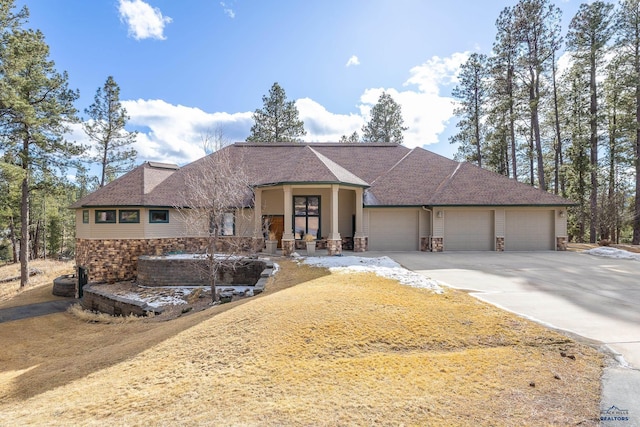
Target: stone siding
424,244
288,247
499,244
437,244
360,244
114,260
561,243
334,247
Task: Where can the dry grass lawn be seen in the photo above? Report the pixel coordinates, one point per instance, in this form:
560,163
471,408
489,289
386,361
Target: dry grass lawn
315,349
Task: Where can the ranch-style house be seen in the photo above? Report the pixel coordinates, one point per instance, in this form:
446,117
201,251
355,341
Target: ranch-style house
349,197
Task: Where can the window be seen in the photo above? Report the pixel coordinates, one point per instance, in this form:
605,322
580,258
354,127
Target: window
129,216
226,227
105,216
228,224
85,216
158,215
306,216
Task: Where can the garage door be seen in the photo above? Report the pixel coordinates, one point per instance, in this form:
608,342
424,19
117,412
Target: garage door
393,230
529,231
468,231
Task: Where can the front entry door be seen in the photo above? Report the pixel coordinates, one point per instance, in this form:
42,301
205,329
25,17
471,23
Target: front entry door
276,225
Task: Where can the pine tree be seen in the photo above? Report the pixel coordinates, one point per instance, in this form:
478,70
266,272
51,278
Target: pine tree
35,107
537,25
386,123
589,33
628,44
106,128
354,137
471,108
278,120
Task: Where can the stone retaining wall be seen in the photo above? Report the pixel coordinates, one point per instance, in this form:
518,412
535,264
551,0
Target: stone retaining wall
114,260
183,271
96,300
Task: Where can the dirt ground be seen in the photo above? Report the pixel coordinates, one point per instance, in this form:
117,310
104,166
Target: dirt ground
314,349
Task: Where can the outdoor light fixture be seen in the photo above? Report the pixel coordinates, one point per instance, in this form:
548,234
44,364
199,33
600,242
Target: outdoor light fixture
561,214
439,214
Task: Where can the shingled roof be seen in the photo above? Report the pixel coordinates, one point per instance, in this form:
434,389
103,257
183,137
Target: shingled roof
392,175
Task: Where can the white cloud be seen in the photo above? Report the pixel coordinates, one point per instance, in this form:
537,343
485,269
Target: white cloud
424,109
353,61
173,133
227,10
143,20
437,72
324,126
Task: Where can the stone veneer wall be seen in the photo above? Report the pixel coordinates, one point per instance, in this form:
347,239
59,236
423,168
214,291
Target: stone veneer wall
437,244
499,244
113,260
288,247
360,244
424,244
334,247
561,243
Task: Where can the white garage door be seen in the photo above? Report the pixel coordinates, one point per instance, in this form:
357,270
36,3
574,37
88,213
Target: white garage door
468,231
529,231
393,230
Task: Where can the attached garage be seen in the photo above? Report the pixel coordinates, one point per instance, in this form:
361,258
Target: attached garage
393,230
468,230
529,230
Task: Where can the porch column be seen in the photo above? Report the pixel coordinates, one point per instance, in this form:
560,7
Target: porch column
360,241
257,210
334,242
258,237
288,238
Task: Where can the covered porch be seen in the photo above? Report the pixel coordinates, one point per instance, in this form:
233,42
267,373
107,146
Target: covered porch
332,214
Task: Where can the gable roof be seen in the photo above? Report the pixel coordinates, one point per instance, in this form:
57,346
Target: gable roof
391,174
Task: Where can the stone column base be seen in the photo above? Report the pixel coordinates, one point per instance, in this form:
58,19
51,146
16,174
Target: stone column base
360,244
288,247
561,243
424,244
437,244
334,247
499,244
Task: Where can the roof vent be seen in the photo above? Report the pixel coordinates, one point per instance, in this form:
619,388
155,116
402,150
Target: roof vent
158,165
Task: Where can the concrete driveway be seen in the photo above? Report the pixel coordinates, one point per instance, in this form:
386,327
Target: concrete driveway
595,297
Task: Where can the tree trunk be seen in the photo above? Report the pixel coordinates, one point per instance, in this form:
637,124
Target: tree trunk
593,110
535,122
558,147
24,229
636,210
477,124
531,151
512,126
14,240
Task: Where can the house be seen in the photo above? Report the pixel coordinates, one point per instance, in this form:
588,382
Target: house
360,197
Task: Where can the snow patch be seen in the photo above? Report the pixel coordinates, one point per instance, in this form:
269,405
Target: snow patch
609,252
382,266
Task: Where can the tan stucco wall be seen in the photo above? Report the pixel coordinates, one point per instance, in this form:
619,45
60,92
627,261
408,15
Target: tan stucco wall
273,204
179,225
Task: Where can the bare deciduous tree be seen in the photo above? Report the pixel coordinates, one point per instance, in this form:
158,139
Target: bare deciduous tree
217,194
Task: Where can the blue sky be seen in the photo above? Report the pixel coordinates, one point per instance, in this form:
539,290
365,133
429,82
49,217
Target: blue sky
190,67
